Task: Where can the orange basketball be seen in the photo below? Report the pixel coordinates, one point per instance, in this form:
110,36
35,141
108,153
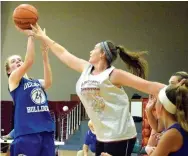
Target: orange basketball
144,114
146,124
24,15
146,132
145,141
144,105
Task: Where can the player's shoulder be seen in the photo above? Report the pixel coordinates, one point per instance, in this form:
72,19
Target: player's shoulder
173,138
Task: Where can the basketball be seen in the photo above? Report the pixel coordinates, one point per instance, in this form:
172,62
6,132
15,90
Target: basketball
146,132
65,108
24,15
144,114
145,141
146,124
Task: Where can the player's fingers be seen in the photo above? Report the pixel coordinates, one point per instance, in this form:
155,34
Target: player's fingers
38,27
181,82
34,28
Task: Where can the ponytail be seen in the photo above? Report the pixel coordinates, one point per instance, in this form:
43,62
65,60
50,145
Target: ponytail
134,61
182,105
178,95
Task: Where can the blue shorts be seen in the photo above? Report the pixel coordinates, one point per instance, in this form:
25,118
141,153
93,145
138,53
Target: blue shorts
38,144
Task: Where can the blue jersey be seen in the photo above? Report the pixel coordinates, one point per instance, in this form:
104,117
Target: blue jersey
90,140
31,109
183,151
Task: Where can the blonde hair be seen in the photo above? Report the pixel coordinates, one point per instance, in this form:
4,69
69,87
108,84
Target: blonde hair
6,64
90,123
178,95
7,67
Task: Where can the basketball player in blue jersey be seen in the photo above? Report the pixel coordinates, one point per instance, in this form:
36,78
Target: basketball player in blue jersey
154,123
33,124
172,110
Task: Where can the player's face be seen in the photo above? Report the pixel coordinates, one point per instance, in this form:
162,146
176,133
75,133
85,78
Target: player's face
95,54
14,62
173,80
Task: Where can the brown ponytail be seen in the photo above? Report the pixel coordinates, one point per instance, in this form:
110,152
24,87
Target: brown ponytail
178,95
134,61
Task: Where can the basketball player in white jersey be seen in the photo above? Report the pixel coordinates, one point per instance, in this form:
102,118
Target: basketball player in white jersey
100,90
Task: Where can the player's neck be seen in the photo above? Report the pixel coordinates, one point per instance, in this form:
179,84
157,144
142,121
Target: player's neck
169,121
99,68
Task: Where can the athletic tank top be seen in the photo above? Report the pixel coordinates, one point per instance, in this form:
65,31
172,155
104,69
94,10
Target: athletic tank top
106,105
183,151
31,109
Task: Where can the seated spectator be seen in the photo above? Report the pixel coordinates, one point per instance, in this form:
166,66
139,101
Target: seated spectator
157,127
89,146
